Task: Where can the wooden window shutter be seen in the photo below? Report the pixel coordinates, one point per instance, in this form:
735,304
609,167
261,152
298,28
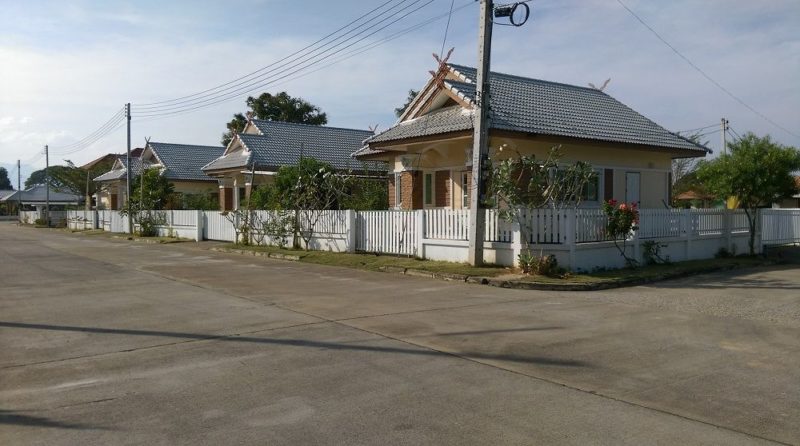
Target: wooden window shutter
608,184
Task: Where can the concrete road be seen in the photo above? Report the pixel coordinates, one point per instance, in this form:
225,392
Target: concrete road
111,342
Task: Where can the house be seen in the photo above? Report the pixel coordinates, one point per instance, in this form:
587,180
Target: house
179,163
793,201
254,156
429,148
37,197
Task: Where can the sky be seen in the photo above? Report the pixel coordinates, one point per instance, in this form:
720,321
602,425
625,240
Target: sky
66,67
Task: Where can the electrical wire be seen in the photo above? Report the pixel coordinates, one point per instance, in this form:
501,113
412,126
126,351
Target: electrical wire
447,27
92,137
250,85
348,55
697,129
735,133
269,65
699,70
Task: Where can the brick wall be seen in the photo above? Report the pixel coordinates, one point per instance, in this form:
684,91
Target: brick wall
442,188
392,202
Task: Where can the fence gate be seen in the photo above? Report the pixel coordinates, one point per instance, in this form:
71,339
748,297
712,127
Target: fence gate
217,227
390,232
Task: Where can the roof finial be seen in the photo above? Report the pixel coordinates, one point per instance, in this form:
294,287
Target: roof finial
602,87
249,116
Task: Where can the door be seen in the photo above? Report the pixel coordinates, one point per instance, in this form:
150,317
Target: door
632,187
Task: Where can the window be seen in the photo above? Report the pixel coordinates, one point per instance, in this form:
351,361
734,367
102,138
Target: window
591,189
398,190
428,189
465,189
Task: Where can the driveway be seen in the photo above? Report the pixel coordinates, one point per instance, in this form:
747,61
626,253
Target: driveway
112,342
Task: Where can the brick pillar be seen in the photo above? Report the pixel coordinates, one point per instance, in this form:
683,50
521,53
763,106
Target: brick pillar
225,198
411,189
392,201
442,188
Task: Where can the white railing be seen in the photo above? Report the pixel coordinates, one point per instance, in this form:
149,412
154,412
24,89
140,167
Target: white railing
545,226
498,229
217,227
661,223
590,225
780,226
391,232
324,222
446,224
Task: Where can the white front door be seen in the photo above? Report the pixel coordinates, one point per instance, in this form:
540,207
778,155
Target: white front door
632,185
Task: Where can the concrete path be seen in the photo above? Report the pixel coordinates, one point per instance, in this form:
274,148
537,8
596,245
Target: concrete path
112,342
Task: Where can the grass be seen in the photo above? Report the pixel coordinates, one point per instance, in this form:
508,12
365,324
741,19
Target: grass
656,272
374,262
647,273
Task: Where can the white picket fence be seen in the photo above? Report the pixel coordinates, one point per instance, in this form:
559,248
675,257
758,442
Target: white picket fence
780,226
577,237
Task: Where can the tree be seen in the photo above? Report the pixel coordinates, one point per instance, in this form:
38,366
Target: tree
5,183
152,191
280,107
412,94
523,184
684,177
756,170
36,177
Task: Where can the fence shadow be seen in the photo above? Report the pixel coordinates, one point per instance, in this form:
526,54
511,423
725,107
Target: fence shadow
8,417
421,351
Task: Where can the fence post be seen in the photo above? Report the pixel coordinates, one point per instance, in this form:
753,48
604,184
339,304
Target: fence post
199,226
728,229
571,228
516,242
350,230
689,227
420,233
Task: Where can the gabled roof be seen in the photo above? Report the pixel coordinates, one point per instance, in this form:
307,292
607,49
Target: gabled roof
38,194
119,171
6,193
284,143
184,161
533,106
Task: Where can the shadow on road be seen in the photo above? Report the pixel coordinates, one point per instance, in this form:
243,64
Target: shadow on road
540,360
14,418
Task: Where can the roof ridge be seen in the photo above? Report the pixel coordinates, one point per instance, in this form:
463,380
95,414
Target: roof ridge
310,125
516,76
186,145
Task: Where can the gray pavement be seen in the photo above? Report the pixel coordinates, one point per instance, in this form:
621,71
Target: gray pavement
111,342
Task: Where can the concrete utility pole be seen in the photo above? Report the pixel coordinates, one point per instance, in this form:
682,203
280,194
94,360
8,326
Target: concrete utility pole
480,136
724,122
128,168
47,185
19,192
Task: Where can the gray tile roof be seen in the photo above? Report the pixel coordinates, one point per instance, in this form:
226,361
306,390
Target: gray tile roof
238,159
443,120
283,143
548,108
122,173
38,194
6,193
183,161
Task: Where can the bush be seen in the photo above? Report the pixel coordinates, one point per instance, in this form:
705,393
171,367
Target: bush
40,222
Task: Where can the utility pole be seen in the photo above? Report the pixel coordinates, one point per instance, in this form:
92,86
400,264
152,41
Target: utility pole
19,192
128,168
480,136
47,185
724,122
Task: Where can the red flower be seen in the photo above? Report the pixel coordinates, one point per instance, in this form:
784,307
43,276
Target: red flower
623,207
612,202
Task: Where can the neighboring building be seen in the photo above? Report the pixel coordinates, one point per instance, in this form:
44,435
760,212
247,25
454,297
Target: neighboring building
179,163
111,158
429,149
36,197
254,156
794,201
7,207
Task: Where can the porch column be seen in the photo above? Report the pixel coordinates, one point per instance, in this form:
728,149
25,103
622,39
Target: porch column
225,194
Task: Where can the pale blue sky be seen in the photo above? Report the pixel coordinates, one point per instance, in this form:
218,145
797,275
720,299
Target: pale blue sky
66,66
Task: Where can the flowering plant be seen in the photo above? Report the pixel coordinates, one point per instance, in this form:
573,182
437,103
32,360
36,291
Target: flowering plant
623,218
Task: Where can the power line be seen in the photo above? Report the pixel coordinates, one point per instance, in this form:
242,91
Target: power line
252,87
699,70
698,128
447,27
246,86
348,55
269,65
735,133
